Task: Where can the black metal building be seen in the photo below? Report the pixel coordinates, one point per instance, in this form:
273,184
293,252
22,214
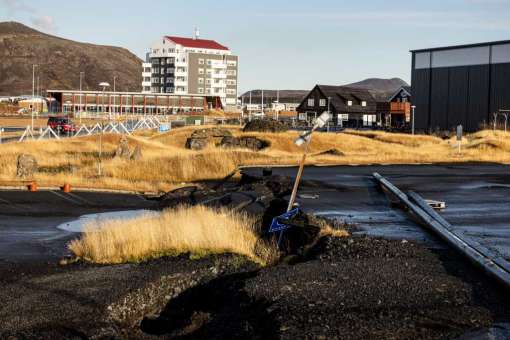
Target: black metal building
460,85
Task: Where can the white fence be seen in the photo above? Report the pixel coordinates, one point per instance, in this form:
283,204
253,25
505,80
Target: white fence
127,127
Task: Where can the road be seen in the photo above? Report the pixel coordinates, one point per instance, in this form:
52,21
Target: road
477,198
29,220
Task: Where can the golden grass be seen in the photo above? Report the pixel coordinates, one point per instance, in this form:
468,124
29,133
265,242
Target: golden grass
198,230
166,163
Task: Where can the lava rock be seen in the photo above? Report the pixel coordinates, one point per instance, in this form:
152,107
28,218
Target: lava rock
251,143
137,153
196,143
26,166
122,150
265,125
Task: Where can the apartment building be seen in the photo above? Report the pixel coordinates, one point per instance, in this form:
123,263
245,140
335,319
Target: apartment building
188,66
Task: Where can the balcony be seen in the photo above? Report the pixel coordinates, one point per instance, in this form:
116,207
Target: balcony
400,108
180,82
146,83
146,74
219,75
219,65
181,73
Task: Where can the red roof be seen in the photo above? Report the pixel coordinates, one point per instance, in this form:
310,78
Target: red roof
197,43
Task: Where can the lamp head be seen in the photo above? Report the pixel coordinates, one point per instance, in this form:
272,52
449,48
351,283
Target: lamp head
323,119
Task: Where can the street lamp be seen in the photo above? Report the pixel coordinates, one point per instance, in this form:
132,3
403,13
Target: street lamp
33,92
104,85
305,139
115,110
82,74
412,118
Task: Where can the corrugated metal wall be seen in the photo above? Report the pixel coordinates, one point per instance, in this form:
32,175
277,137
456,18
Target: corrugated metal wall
420,97
467,95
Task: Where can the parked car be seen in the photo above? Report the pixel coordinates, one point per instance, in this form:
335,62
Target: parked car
61,124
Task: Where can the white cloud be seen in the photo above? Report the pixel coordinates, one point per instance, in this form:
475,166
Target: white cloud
44,23
39,20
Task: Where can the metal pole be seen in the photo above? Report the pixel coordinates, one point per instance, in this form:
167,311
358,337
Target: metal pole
299,174
81,95
115,111
33,93
412,118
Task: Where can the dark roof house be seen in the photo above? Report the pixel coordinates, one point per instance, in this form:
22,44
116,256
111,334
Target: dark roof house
350,106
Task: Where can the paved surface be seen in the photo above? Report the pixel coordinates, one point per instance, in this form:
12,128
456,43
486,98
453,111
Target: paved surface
477,198
29,220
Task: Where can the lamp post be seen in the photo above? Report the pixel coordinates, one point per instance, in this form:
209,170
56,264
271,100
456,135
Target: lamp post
412,118
115,111
33,93
104,85
82,74
305,139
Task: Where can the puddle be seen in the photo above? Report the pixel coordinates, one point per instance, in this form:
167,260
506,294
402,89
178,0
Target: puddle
499,331
78,225
391,224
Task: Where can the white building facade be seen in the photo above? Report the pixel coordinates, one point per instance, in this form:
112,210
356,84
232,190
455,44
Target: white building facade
187,66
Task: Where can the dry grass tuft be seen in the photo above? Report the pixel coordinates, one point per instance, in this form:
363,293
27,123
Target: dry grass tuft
198,230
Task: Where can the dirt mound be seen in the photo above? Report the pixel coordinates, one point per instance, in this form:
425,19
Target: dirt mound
265,125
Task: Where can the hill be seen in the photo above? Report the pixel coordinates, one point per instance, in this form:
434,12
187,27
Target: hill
60,62
379,87
285,96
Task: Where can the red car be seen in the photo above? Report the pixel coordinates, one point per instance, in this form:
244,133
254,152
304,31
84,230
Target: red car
61,124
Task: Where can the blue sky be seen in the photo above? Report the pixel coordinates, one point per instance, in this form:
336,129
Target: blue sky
281,43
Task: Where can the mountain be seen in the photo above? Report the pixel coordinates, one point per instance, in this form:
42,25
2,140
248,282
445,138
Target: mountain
379,87
60,62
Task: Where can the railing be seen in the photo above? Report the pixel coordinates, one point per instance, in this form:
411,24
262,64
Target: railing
396,107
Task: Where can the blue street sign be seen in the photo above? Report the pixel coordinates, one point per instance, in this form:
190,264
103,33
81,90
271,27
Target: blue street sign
164,127
276,225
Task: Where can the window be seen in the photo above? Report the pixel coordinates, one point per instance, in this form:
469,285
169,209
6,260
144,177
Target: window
200,80
208,81
231,82
200,90
302,116
201,61
311,102
169,70
209,62
200,71
169,80
369,120
232,63
162,80
349,103
363,103
322,102
231,72
208,91
343,116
